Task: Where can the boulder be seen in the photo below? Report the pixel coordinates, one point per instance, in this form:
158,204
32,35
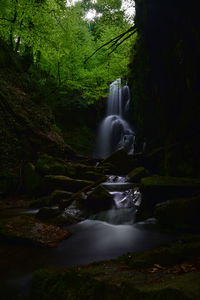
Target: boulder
27,229
59,182
57,196
94,176
99,199
49,165
47,213
120,162
157,189
183,213
137,174
40,202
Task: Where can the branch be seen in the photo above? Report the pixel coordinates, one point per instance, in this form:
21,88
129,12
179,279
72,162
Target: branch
126,38
114,41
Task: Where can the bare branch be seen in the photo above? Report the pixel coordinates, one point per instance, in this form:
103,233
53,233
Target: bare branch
114,41
126,38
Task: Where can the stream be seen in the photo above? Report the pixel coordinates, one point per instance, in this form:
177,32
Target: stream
106,235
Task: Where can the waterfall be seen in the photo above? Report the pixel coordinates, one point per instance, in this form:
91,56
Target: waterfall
114,131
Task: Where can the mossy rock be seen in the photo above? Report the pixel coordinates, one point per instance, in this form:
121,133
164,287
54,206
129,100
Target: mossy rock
29,230
40,202
94,176
58,182
119,160
121,163
57,196
49,165
179,214
137,174
47,213
99,199
158,189
31,180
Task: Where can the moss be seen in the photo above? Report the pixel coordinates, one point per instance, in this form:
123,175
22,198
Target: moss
40,202
179,214
99,199
168,181
49,165
163,256
47,284
58,182
137,174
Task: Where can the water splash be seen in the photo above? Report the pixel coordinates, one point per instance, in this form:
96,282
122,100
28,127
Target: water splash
114,131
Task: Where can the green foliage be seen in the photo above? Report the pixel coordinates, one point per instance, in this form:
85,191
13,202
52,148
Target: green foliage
58,39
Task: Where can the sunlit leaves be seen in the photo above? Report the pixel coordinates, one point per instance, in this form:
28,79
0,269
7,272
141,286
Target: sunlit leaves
64,40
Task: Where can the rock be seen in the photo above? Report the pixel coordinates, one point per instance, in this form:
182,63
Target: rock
49,165
29,230
137,174
40,202
99,199
53,199
47,213
157,189
57,196
31,179
94,176
67,219
181,213
120,162
58,182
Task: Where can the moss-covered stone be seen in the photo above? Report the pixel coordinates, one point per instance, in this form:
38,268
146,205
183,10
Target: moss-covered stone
99,199
57,196
49,165
40,202
179,214
157,189
30,230
32,179
119,160
137,174
46,213
58,182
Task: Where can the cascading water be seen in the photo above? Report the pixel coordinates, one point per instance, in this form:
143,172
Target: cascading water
114,131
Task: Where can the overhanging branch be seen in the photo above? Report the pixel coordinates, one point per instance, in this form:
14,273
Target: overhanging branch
115,41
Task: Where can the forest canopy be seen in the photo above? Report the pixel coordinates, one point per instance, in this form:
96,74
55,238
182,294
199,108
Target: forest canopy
59,37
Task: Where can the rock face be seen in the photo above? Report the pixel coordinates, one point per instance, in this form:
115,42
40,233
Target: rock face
164,76
99,199
157,189
29,230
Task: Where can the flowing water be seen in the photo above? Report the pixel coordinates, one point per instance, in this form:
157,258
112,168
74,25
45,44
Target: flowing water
105,235
114,131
